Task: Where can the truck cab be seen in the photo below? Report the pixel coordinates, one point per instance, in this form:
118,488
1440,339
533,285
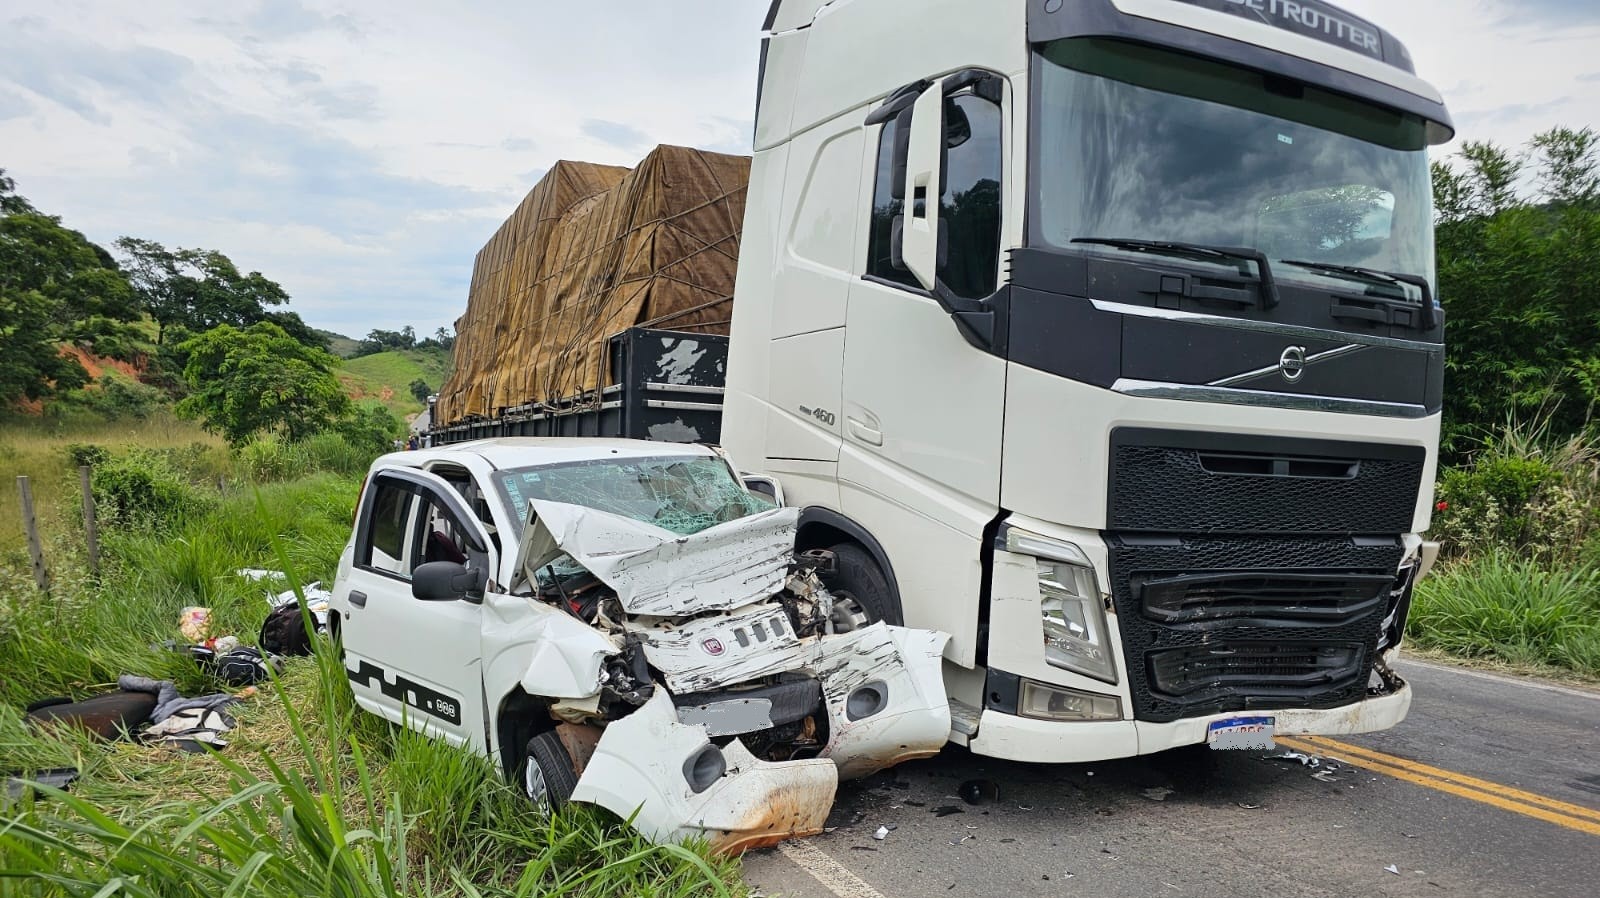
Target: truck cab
1102,336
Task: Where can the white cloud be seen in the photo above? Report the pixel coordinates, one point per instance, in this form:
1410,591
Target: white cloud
361,153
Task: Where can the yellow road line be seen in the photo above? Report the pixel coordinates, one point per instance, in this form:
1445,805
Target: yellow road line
1570,816
1336,747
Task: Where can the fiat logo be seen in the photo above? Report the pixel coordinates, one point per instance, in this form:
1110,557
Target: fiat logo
712,646
1292,363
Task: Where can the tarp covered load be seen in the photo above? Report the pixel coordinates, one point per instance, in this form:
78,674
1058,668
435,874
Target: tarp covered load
591,251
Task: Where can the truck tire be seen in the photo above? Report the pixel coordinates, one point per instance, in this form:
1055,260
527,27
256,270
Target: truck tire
546,772
860,578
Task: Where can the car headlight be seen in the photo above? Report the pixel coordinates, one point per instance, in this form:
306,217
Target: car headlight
1073,615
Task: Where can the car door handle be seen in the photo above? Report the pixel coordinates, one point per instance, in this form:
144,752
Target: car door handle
358,599
869,435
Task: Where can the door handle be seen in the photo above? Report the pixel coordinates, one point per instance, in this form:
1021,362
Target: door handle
358,599
869,435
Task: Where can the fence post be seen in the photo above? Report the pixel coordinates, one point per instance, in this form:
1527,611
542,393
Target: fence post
31,524
91,525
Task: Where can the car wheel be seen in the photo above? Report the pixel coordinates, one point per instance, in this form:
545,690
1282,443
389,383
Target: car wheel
547,775
864,589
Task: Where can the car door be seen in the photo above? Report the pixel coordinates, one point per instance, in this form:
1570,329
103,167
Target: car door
415,661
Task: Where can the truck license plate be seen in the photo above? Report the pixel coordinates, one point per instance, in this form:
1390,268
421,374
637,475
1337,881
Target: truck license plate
1241,734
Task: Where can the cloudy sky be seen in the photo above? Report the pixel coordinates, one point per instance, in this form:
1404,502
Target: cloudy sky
361,152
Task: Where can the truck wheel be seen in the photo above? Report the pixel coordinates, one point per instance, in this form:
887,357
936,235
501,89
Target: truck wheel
866,589
547,775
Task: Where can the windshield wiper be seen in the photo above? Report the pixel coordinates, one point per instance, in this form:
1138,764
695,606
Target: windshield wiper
1200,251
1430,318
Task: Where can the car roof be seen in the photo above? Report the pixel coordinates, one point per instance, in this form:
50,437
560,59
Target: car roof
518,452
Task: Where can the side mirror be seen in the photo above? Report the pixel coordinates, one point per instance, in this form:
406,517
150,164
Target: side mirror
765,487
447,581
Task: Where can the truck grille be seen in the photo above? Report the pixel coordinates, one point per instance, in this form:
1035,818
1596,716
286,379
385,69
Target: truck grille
1208,672
1292,621
1180,482
1261,598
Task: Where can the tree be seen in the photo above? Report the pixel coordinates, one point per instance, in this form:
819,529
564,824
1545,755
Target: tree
201,289
441,339
55,287
260,379
420,389
10,203
386,341
1516,279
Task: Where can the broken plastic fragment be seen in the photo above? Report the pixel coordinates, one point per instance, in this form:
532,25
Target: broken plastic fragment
1157,793
979,792
1393,869
881,834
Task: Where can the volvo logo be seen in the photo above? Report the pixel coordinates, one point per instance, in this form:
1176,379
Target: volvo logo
1292,364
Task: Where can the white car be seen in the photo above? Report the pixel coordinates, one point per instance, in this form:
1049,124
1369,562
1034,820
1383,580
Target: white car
624,623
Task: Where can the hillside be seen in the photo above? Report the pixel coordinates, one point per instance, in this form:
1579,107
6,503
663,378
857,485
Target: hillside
338,344
386,377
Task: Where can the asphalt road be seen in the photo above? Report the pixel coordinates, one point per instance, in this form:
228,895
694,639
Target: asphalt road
1490,787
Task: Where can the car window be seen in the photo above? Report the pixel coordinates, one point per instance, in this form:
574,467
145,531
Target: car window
683,494
408,527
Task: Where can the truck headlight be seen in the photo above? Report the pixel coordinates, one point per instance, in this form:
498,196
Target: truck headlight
1073,615
1044,702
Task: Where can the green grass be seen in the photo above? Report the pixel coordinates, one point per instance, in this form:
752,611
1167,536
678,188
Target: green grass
386,377
311,797
39,450
1513,611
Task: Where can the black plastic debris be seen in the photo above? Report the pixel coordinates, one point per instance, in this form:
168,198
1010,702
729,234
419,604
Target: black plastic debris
55,778
979,792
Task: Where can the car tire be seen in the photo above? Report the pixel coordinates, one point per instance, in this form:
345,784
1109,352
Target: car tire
858,576
546,772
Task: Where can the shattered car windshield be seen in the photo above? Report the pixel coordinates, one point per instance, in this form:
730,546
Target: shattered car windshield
683,494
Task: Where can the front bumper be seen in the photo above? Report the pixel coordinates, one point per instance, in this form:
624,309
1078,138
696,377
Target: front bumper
637,773
1053,742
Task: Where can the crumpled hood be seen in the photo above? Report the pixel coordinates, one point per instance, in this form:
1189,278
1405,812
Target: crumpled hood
658,573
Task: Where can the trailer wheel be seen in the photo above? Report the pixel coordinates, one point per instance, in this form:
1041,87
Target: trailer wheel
547,775
862,583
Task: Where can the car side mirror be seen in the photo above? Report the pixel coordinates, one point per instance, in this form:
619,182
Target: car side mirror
447,581
765,487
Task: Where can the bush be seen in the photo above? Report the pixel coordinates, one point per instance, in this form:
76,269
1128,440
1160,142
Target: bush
80,454
1524,496
144,489
111,398
1512,610
370,429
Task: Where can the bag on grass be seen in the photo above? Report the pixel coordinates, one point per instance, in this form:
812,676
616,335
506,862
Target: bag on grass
245,666
284,632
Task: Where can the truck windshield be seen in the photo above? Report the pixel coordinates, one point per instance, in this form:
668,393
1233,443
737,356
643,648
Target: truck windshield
683,494
1137,143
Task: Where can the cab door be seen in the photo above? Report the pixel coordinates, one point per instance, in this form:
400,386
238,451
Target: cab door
923,407
416,662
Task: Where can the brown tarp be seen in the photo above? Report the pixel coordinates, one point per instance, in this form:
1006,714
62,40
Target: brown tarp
591,251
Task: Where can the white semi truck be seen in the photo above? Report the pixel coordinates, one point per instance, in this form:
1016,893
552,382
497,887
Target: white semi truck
1100,335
